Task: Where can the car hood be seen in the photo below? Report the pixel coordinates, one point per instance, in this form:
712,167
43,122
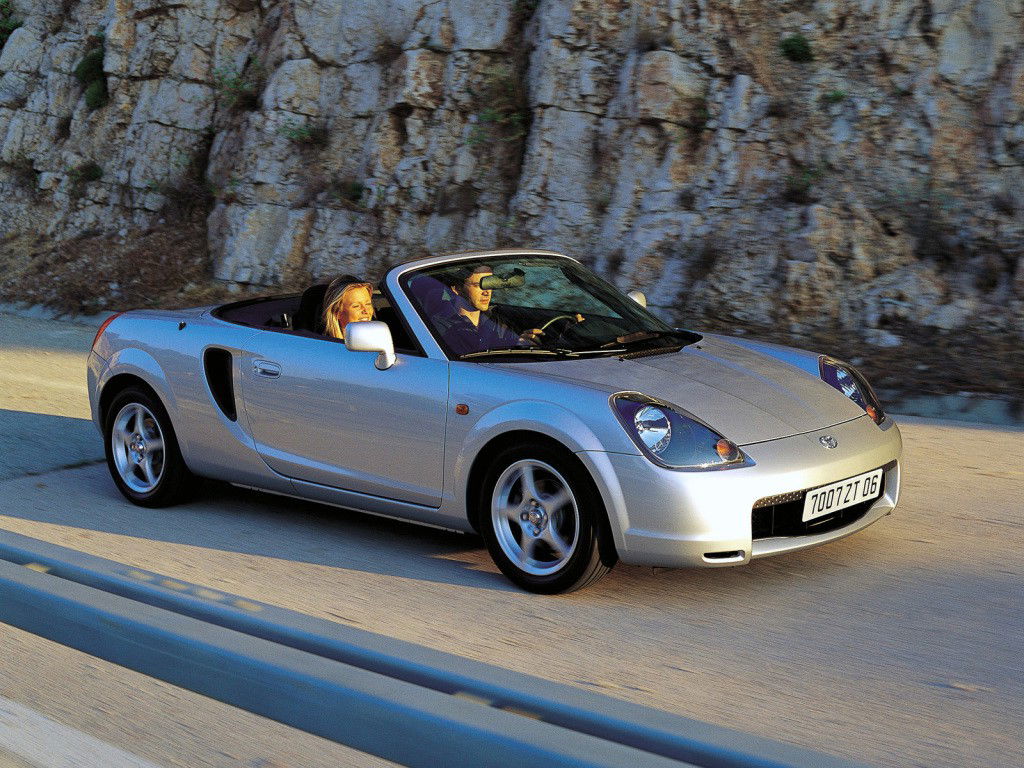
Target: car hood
746,395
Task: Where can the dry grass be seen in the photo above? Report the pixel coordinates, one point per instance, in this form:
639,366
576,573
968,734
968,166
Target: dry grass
157,268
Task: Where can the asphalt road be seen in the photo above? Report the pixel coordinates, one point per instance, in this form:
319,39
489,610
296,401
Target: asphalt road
901,645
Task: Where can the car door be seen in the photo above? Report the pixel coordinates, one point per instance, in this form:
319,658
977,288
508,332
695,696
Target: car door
324,414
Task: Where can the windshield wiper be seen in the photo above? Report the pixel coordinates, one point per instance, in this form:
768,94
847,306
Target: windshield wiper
515,351
638,336
596,351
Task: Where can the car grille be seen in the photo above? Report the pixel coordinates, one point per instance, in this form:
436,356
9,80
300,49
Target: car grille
780,516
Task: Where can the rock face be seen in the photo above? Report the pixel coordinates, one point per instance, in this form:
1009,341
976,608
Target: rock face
871,170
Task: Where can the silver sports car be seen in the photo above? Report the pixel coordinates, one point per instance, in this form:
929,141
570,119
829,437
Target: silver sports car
512,393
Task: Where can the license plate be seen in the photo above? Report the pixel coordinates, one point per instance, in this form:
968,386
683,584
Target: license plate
831,498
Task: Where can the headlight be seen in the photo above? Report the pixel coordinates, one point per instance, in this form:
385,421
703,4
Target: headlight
851,383
672,438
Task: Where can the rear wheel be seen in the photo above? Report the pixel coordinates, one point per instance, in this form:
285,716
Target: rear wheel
543,520
142,451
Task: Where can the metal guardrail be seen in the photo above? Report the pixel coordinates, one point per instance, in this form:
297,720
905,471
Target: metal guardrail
387,697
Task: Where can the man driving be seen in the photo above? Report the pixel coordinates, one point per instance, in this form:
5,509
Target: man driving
472,329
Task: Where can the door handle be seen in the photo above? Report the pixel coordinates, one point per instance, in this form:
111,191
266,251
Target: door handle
266,368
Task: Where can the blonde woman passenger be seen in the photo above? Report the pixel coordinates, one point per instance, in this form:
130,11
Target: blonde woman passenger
344,303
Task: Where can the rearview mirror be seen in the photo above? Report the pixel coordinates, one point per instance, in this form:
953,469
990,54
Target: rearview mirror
638,297
372,336
514,279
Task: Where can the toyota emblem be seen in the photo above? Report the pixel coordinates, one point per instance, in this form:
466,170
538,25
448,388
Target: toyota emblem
828,441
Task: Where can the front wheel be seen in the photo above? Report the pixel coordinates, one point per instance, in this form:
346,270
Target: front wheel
544,523
142,451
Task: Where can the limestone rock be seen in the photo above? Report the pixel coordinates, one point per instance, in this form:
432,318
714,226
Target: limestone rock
294,87
480,25
23,52
671,146
880,337
668,87
338,33
975,38
423,79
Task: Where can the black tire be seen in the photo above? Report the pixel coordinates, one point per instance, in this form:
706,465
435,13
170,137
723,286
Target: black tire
169,481
522,544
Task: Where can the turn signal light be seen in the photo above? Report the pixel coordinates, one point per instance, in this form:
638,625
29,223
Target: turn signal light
727,450
873,413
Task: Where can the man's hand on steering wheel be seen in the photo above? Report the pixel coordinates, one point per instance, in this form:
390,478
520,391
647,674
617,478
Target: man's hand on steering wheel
533,335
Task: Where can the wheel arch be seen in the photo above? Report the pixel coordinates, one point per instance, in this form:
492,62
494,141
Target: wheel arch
177,481
514,437
118,384
487,454
134,365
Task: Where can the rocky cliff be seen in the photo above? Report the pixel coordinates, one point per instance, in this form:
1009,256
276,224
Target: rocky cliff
804,164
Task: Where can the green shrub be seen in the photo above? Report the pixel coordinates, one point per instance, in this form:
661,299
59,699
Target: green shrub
90,68
8,22
524,7
25,172
86,172
799,185
239,89
229,192
305,134
89,73
349,192
796,48
81,175
522,12
458,198
96,95
505,115
834,97
185,188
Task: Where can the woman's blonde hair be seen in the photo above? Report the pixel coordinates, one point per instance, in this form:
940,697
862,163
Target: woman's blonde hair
333,301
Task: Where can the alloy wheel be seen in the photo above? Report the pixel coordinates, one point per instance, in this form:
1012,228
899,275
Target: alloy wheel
535,517
137,443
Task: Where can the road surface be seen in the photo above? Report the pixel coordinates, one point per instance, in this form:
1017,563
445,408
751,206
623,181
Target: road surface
899,646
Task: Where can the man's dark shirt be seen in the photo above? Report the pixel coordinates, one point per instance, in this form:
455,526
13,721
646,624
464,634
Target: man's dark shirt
463,337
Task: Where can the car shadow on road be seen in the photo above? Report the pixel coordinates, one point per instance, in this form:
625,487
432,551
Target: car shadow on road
231,519
32,443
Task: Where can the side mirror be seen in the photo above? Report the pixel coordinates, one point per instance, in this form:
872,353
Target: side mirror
638,297
372,336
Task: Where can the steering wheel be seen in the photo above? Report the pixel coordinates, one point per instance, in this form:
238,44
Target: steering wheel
555,319
564,330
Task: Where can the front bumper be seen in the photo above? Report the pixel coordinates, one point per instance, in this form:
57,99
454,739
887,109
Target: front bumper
674,518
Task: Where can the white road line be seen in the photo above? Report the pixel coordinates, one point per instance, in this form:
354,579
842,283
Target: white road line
45,743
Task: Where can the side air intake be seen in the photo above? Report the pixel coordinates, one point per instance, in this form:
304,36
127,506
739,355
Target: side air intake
217,364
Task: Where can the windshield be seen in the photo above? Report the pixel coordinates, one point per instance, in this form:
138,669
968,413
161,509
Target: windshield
524,307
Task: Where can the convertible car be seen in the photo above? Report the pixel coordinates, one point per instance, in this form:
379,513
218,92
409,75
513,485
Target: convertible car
512,393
